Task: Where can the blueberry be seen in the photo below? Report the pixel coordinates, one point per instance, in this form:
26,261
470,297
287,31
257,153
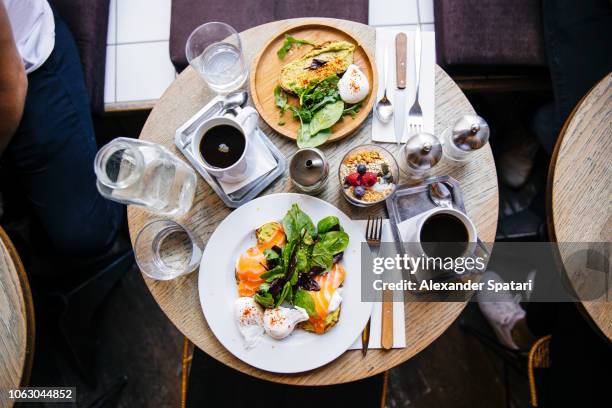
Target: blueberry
361,169
359,191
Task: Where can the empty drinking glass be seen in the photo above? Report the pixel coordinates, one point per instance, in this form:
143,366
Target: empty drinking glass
214,50
132,171
165,250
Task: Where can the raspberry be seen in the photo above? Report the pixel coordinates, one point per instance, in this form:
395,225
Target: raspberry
354,179
369,179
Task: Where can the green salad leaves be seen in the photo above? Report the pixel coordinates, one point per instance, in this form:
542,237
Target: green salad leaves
319,108
308,252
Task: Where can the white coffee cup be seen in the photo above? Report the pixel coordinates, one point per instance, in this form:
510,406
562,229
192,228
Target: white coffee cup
411,228
246,122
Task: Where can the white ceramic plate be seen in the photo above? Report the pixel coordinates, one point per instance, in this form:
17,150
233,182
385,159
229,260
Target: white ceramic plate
301,351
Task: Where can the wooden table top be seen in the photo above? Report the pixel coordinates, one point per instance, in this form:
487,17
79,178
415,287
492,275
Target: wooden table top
581,196
16,332
424,321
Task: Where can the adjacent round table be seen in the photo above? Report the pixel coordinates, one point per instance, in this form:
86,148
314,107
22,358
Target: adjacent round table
16,321
581,197
424,321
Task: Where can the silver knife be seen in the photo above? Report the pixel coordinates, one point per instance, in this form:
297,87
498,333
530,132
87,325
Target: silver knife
401,50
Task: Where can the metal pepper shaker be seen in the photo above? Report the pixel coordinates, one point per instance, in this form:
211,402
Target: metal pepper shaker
309,170
420,154
468,134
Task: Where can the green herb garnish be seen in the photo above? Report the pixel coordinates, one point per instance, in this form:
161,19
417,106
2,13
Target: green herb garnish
352,110
288,43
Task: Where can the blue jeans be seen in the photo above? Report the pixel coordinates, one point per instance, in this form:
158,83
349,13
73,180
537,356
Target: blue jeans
52,153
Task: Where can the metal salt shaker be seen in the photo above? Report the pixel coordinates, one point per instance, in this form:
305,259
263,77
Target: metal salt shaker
309,170
468,134
420,154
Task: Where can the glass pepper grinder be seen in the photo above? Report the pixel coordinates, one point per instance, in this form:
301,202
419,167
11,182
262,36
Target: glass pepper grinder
468,134
420,154
309,170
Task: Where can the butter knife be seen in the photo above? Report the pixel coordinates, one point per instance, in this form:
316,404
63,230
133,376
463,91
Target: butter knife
401,50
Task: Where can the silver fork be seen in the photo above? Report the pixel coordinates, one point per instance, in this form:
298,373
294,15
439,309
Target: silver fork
373,237
415,114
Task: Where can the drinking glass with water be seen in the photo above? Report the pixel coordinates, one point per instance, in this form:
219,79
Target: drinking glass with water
214,50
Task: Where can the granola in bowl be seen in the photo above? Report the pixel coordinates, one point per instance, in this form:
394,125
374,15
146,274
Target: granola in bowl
368,175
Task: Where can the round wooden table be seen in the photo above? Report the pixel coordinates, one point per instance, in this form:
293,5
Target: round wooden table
16,321
424,321
580,191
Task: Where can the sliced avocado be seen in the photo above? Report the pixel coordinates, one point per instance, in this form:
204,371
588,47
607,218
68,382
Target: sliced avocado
267,231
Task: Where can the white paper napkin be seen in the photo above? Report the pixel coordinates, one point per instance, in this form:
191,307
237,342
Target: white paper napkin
399,323
385,37
261,161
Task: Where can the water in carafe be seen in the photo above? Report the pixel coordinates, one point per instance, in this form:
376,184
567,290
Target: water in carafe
145,174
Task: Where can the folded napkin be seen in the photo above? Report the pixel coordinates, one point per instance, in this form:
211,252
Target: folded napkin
399,324
260,162
385,37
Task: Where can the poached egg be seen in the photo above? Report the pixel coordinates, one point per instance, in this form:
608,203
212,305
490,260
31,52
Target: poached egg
249,319
280,322
354,85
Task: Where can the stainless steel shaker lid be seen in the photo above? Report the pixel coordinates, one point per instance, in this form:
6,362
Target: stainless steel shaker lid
422,151
308,167
470,132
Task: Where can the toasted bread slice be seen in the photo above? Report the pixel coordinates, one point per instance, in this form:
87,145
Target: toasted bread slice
321,326
333,57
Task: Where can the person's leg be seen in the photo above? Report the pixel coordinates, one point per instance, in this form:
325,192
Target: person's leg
579,51
53,151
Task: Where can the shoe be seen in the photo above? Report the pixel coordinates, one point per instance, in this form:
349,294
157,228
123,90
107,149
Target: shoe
515,165
501,310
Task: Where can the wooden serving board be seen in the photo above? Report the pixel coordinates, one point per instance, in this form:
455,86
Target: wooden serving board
266,68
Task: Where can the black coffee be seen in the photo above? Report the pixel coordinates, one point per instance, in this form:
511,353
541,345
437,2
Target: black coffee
444,235
222,146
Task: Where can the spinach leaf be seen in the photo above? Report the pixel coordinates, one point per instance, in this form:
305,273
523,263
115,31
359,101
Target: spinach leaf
283,295
302,264
334,241
295,222
322,257
326,117
287,251
288,43
303,135
266,300
276,272
331,223
313,140
304,300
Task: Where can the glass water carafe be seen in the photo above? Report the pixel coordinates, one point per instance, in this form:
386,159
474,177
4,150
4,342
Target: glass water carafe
132,171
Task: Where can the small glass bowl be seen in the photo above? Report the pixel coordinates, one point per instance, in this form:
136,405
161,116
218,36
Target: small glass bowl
389,160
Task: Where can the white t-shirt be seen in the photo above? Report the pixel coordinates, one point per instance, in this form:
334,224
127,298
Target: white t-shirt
33,29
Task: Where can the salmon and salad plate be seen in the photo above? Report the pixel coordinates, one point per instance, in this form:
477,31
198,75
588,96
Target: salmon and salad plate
280,283
291,277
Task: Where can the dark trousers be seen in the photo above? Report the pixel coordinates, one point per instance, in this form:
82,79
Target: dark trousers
578,41
51,156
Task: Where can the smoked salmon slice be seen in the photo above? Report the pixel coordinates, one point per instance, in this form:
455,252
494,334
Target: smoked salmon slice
328,283
249,268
